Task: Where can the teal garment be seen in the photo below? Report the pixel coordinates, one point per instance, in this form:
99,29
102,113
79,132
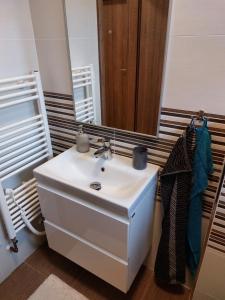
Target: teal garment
201,168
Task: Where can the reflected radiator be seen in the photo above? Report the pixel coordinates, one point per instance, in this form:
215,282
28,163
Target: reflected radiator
84,95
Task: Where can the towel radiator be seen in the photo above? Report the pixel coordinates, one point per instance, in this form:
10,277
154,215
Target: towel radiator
84,94
23,145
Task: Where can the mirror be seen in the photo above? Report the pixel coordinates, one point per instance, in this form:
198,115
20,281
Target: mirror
117,53
81,17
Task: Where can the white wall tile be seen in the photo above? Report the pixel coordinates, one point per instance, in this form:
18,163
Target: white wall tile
17,52
48,19
81,18
198,17
83,51
195,74
212,276
17,57
54,66
52,46
200,296
15,20
195,61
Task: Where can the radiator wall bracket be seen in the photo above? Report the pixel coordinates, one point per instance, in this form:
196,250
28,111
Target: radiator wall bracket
14,248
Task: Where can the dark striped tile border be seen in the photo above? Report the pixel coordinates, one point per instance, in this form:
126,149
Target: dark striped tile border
216,238
60,112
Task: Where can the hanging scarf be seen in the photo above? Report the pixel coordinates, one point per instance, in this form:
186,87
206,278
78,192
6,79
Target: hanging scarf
202,167
175,191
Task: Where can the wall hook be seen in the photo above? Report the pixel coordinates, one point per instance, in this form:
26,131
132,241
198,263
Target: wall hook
201,115
14,248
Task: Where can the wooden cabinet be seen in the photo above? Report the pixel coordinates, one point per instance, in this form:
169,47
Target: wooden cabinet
152,39
118,30
132,35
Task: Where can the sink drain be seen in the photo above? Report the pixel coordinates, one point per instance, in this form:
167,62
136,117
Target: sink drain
96,186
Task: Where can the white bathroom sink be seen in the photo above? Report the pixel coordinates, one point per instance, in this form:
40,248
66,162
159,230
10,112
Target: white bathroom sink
120,183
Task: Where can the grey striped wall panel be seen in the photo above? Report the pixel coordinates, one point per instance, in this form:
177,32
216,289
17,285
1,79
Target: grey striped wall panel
61,117
217,233
63,130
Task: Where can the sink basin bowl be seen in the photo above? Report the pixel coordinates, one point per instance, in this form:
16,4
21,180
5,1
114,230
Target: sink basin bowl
120,183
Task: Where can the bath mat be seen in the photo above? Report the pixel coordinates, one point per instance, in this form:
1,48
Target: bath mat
54,288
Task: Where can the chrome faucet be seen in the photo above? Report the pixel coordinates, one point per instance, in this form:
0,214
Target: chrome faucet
105,150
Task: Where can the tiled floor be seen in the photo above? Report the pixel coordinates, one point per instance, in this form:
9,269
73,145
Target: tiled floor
26,279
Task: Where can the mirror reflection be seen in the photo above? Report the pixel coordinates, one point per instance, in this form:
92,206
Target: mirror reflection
117,53
82,27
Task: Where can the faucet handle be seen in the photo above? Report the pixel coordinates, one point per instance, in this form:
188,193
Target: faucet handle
100,140
106,142
96,140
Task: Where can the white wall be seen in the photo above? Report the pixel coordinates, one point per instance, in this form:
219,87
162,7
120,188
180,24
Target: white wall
17,48
51,42
211,280
194,74
81,16
194,80
17,57
195,66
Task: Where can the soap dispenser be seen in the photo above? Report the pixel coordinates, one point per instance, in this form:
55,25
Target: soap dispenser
82,139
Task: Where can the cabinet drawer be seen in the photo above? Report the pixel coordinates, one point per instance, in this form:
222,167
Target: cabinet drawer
100,263
93,225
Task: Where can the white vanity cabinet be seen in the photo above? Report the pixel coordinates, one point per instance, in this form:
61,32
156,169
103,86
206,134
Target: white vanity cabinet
107,232
111,245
